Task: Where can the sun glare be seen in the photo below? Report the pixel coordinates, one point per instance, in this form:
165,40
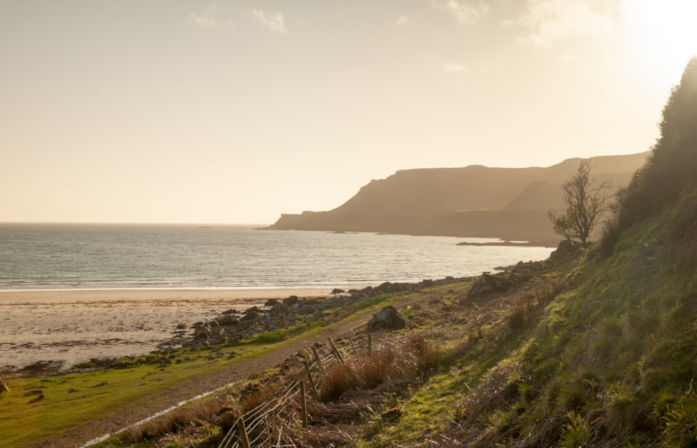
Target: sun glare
664,33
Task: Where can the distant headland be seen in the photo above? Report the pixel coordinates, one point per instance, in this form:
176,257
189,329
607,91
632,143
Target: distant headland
474,201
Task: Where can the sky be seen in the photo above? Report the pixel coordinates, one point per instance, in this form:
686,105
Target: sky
170,111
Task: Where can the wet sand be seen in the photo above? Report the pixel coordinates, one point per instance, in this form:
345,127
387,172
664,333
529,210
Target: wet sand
74,326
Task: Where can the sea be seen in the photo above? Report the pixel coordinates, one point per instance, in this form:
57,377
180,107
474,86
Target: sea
60,283
88,256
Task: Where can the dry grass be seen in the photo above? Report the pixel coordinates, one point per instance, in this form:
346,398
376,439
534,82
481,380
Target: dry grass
427,354
253,399
174,421
371,371
337,380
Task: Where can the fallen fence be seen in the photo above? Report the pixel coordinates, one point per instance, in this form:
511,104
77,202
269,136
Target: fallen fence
272,422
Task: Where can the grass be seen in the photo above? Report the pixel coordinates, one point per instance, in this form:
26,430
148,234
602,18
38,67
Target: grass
427,412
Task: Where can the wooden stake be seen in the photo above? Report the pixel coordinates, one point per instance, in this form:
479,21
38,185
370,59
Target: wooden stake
303,403
318,360
370,344
242,433
315,395
353,349
337,355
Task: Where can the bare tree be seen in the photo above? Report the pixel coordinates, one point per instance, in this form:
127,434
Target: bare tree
584,203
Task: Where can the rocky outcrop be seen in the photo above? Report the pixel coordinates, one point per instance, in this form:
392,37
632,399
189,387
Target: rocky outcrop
232,325
488,284
564,250
387,318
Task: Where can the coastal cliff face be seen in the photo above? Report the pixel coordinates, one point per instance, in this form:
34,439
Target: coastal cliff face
474,201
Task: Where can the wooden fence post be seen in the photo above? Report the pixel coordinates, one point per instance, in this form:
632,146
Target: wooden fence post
242,433
337,355
3,387
370,344
303,403
353,349
317,359
315,395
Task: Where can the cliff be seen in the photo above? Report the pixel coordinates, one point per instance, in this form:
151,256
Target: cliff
474,201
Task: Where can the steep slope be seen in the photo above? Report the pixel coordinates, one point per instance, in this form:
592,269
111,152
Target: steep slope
469,201
596,348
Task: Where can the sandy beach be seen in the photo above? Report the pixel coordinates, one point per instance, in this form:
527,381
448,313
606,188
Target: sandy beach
73,326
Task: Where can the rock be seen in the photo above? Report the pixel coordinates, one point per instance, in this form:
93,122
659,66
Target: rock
103,383
250,313
230,311
563,250
488,284
72,391
227,320
271,303
387,318
181,326
292,300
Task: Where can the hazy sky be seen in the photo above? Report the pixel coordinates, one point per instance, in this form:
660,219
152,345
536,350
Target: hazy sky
236,111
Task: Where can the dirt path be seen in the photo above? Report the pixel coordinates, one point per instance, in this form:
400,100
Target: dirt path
151,404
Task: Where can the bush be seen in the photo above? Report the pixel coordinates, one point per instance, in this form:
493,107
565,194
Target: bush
576,432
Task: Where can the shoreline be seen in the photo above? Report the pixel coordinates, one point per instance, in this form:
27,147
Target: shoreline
138,294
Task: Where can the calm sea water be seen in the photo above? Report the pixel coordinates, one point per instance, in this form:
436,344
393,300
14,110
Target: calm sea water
57,256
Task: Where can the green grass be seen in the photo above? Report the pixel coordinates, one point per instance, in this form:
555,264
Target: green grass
427,412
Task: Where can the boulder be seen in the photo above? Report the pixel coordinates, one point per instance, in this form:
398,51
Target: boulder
488,284
227,319
565,249
292,300
251,313
387,318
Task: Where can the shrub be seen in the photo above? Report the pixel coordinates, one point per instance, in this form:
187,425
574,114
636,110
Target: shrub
576,432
